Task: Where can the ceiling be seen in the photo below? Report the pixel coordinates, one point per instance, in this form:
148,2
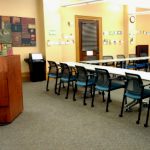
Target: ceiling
139,3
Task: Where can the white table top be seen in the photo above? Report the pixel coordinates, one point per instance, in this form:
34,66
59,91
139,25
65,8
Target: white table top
112,70
114,60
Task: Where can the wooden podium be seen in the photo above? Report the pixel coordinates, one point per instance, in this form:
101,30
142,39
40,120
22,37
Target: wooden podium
11,98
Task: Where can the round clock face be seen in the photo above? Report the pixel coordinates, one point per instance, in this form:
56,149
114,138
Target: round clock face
132,19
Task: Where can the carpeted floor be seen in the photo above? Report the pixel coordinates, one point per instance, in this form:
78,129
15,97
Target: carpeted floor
51,122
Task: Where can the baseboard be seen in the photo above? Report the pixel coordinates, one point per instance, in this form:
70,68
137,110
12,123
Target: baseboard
26,76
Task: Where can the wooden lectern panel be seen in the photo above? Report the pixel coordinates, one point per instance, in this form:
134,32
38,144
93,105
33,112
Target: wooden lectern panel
11,98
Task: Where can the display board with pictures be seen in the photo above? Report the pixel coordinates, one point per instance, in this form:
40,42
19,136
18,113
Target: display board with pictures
16,32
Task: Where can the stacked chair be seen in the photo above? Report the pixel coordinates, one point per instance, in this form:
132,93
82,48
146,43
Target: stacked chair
135,90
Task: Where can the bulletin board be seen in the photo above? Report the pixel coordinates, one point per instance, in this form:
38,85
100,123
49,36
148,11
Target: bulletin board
16,32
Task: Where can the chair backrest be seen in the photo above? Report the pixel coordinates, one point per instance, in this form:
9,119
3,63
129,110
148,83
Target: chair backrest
120,56
102,77
108,63
81,74
143,54
107,57
53,68
65,70
120,63
134,84
132,56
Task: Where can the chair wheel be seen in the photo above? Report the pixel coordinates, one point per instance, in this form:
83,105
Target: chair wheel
137,122
84,104
107,110
110,101
66,97
47,89
120,115
92,105
145,125
74,99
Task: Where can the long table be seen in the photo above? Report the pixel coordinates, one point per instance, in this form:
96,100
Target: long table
115,60
112,70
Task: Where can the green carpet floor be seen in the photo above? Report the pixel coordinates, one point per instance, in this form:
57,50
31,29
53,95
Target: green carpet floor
51,122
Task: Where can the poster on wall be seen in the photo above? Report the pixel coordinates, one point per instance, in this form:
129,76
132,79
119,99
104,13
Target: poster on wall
16,32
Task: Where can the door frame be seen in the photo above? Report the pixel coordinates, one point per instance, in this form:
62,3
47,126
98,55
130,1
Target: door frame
77,18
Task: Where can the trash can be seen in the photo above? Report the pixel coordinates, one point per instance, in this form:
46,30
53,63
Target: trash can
37,67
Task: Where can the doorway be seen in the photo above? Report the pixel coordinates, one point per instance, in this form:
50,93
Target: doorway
88,38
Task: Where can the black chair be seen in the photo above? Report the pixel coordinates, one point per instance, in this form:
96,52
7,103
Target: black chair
105,83
147,116
121,64
131,63
142,64
55,73
84,79
67,76
108,63
135,90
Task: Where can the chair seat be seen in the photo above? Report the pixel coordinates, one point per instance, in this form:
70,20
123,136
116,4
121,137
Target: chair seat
52,75
133,95
66,79
130,67
114,86
89,83
142,65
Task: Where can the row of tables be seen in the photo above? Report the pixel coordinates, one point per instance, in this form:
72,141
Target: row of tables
89,65
115,60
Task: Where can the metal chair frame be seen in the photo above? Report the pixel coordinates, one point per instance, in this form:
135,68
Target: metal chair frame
54,72
134,89
105,83
84,79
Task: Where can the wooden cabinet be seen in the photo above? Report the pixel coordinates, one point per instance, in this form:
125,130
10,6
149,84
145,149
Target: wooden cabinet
11,98
142,50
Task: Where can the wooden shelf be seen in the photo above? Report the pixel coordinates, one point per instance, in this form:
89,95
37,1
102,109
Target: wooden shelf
11,98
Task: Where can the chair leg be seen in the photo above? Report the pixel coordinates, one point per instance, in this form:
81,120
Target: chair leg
84,102
93,96
67,90
147,116
47,84
108,100
91,90
122,107
59,87
139,114
103,96
56,86
74,93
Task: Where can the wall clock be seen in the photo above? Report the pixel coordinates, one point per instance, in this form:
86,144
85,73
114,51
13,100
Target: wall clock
132,19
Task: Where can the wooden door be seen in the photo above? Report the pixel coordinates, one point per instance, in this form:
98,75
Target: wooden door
88,38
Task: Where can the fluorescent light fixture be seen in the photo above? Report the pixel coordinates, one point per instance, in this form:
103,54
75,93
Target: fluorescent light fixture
81,3
141,13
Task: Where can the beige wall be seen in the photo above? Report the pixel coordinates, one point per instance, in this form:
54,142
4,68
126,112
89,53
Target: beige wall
112,20
52,25
143,30
25,8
